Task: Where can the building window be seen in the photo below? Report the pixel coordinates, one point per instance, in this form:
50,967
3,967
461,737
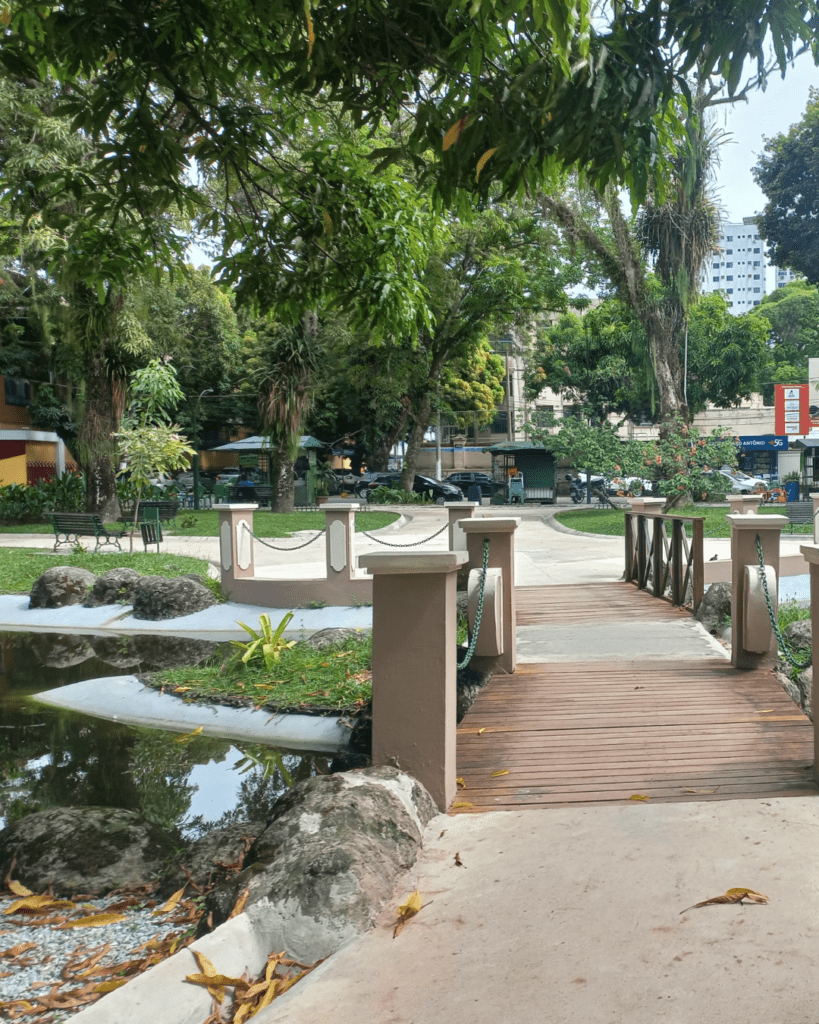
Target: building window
756,250
18,391
756,302
716,277
730,292
729,264
729,277
729,252
756,277
756,289
715,266
729,238
756,263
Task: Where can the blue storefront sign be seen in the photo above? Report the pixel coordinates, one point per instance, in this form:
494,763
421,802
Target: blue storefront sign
763,443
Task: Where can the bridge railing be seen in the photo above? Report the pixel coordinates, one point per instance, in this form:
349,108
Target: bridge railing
664,554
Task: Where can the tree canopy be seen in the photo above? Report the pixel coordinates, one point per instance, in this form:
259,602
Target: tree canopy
787,174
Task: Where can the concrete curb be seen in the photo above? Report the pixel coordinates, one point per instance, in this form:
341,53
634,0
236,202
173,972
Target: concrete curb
128,699
239,946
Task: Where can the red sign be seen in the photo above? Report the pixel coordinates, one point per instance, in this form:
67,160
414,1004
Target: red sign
792,406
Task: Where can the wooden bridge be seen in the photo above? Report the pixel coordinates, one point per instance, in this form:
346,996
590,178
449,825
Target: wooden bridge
600,732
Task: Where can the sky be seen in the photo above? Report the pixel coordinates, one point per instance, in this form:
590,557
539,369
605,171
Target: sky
764,115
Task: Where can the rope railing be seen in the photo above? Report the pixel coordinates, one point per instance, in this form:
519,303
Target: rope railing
479,613
789,656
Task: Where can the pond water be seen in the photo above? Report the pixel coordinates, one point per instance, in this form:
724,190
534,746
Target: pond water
55,758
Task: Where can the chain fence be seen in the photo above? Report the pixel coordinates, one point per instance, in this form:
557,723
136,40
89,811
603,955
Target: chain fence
267,543
788,655
479,613
412,543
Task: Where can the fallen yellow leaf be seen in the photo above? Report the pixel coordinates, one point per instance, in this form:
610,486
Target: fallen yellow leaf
109,986
481,731
638,796
409,908
18,889
459,782
463,803
94,921
496,774
166,908
188,735
239,905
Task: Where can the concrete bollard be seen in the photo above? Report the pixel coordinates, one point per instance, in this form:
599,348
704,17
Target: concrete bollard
458,510
414,665
742,504
501,534
811,555
647,506
235,541
340,539
744,529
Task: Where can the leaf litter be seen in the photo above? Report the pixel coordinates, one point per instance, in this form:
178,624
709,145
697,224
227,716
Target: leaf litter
736,895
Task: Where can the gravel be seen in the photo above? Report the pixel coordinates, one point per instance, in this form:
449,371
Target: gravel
58,974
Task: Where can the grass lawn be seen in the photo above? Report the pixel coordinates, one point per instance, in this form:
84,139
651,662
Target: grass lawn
335,678
611,523
20,567
266,524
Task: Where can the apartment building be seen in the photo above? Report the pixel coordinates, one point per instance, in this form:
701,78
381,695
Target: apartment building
738,269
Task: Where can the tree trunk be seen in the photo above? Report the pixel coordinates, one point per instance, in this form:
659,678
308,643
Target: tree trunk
380,455
96,445
663,339
419,428
282,476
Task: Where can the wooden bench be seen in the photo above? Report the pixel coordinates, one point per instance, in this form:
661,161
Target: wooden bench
70,526
167,511
798,512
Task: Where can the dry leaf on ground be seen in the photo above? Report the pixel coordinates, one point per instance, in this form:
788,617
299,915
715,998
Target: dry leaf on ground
731,896
409,908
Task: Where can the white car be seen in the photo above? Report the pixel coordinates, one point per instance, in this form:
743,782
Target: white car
742,483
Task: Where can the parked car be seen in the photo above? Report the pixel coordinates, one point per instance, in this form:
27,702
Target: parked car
186,480
464,479
741,483
436,489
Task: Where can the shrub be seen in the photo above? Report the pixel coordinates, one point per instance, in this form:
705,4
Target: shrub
22,504
395,496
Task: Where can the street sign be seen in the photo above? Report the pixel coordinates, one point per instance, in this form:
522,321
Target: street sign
763,443
792,409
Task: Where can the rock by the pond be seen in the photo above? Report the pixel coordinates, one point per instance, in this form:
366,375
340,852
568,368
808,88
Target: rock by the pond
113,587
117,651
61,585
797,683
322,869
214,856
84,850
171,651
327,637
715,607
155,597
60,650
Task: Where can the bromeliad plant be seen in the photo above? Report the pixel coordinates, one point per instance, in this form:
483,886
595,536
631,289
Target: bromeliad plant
267,644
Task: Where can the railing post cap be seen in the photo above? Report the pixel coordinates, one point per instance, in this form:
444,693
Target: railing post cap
342,506
461,504
489,524
756,521
387,563
810,553
234,508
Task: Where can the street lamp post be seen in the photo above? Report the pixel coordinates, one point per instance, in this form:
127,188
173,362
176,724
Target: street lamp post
207,391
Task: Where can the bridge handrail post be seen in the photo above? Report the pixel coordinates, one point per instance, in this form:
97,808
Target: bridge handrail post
414,665
811,556
697,557
458,510
744,531
658,554
501,534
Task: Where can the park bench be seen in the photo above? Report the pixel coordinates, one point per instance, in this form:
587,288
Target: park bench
167,511
798,512
70,526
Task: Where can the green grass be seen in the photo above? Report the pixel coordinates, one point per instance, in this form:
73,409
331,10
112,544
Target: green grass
336,678
265,524
20,567
611,523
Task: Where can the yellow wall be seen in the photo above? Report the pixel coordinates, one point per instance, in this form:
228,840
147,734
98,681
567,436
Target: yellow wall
13,470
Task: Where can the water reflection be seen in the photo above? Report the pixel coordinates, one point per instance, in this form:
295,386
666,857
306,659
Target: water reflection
51,758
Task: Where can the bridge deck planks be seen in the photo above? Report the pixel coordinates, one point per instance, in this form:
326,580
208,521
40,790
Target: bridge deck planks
586,733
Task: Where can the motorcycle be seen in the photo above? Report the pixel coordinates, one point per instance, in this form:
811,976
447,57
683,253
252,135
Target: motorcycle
578,492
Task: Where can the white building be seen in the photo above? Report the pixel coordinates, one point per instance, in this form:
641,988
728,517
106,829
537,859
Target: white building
738,269
784,277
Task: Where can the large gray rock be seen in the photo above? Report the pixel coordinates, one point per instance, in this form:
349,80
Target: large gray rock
155,597
171,651
715,608
322,869
84,850
61,585
797,683
213,857
60,650
113,587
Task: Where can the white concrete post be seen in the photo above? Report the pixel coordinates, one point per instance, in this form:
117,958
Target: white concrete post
235,541
811,555
742,504
340,539
458,510
815,498
414,665
647,506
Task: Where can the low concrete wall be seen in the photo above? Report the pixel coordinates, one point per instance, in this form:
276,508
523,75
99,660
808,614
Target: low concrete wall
719,571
